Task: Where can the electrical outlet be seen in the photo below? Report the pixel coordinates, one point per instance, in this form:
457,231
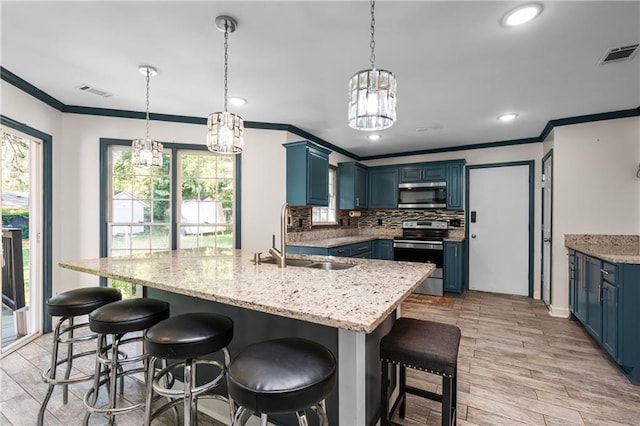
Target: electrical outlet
348,221
341,222
379,222
300,223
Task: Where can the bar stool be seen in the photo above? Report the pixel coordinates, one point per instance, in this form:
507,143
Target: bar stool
281,376
117,320
67,306
186,338
426,346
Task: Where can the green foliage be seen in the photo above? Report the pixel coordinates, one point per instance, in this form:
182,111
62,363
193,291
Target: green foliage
9,216
15,163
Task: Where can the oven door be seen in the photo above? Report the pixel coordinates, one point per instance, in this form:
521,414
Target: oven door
425,252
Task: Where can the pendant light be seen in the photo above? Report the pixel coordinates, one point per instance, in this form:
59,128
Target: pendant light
147,152
225,128
372,93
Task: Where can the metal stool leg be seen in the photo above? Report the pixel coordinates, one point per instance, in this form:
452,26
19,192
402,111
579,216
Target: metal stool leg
321,412
52,371
189,383
264,420
302,418
384,394
67,373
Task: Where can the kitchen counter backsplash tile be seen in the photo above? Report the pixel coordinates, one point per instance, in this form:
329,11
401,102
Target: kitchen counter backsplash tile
301,220
612,248
394,218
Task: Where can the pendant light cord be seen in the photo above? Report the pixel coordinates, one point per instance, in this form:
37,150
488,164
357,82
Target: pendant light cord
147,115
226,61
372,44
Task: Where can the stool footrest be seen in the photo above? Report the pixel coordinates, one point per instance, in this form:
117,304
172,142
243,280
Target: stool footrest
423,393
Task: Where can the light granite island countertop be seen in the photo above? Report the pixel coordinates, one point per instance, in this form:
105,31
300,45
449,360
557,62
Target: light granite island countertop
347,310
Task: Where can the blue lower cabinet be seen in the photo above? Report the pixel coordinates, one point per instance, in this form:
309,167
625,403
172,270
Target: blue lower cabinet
453,267
383,249
605,300
343,251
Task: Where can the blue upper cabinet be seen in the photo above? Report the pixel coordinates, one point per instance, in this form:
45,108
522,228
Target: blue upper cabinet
307,174
353,183
426,172
455,192
383,187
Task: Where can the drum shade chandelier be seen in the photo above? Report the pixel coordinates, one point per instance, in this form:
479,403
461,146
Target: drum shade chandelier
225,128
372,93
147,152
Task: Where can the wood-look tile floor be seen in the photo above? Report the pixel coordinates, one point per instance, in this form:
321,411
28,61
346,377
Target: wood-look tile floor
517,365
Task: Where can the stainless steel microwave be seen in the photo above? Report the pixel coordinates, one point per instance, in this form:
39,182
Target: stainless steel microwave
422,195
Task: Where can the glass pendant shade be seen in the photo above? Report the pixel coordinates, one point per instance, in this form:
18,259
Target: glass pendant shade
372,100
225,133
147,152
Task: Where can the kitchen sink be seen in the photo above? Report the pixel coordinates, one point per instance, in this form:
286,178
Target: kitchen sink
290,262
330,266
327,266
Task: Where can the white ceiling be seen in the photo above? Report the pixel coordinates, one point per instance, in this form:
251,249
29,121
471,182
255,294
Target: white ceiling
457,67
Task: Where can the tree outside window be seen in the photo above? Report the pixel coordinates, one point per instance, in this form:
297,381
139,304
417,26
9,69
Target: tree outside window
327,215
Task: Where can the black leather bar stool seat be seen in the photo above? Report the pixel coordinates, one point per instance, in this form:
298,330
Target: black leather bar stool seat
426,346
118,319
281,376
67,306
186,338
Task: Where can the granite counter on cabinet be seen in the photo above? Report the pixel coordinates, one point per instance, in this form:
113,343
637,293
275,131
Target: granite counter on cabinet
356,299
611,248
347,310
336,242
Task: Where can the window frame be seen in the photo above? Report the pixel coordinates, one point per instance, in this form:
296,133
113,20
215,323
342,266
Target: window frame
172,149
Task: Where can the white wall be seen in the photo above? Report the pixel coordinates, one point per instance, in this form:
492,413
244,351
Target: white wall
595,188
526,152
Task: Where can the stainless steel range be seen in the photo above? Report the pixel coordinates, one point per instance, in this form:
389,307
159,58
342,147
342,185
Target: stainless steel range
421,241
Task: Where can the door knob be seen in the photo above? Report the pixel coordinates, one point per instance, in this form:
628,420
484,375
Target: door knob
473,235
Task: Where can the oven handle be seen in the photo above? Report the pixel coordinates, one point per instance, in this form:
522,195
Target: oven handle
417,245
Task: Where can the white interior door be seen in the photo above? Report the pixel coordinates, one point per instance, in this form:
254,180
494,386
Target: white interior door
499,229
547,194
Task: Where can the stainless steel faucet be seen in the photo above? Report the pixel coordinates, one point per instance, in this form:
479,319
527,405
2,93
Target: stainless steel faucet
281,255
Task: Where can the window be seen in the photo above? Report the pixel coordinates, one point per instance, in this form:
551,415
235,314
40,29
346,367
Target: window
140,201
327,215
206,207
189,202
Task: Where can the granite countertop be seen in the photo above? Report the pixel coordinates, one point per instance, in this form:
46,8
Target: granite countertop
611,248
356,299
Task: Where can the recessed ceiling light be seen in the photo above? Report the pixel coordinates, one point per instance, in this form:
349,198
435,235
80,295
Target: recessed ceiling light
237,101
507,117
522,14
374,137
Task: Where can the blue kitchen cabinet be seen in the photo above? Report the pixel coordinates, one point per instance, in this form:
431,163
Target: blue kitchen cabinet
424,172
362,250
352,186
453,266
605,300
594,296
455,192
383,249
383,187
307,174
580,289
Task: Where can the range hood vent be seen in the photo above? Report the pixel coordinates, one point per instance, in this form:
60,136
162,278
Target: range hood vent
89,89
620,54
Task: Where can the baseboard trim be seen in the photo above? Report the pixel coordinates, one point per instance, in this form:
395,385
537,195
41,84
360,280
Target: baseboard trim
559,312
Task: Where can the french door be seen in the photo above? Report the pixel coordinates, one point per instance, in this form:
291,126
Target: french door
22,253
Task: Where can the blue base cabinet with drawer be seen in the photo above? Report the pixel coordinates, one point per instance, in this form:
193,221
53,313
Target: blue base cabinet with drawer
453,267
383,249
605,298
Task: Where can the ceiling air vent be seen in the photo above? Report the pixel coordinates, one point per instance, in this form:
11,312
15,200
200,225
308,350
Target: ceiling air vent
620,54
89,89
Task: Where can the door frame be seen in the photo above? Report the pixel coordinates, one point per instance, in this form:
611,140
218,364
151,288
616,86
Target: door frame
548,156
531,165
47,209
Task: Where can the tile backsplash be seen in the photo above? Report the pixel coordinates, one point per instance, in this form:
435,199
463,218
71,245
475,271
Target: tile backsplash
371,222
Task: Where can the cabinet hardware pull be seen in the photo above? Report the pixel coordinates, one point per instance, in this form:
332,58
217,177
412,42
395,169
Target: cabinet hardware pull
604,272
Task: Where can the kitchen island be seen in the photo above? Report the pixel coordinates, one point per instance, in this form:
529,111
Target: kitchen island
347,310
